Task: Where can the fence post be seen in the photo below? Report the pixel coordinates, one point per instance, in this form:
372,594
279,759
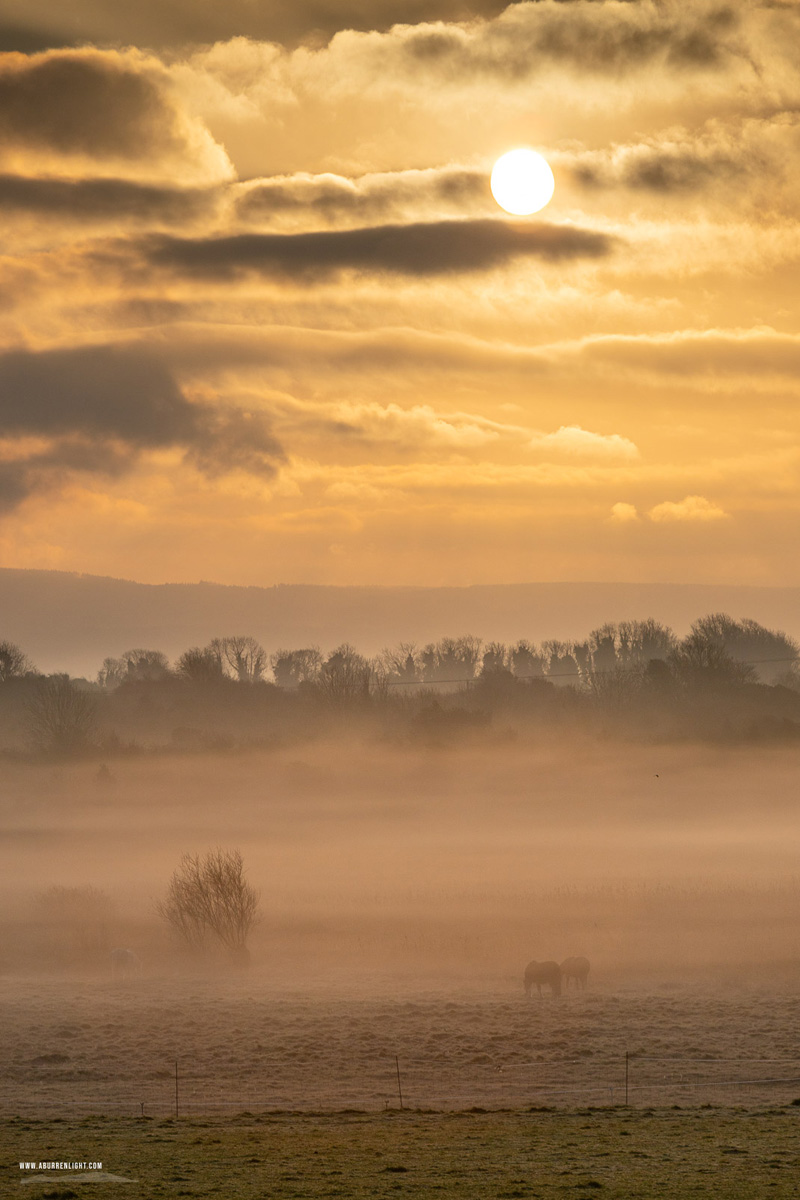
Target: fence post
176,1087
627,1059
399,1089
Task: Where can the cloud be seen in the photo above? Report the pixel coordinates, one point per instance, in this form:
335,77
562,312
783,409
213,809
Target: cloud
623,514
604,38
434,248
100,406
691,508
664,170
174,23
72,107
419,427
723,155
572,440
108,391
723,353
329,197
88,201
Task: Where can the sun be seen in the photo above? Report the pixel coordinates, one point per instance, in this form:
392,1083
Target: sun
522,182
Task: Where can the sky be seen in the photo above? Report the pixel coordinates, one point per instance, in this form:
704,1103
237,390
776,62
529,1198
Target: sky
262,321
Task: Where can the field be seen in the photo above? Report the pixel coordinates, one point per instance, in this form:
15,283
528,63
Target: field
283,1093
381,1044
579,1153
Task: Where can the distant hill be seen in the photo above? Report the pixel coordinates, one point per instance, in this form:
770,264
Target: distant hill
70,622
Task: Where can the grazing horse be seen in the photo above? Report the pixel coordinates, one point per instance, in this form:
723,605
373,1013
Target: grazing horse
125,964
542,972
577,969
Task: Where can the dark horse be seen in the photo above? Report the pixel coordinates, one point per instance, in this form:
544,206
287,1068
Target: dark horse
542,972
577,969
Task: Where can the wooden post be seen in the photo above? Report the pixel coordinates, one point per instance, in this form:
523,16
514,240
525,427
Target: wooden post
176,1087
627,1059
399,1089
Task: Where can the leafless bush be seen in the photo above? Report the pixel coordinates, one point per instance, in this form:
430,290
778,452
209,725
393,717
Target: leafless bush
209,902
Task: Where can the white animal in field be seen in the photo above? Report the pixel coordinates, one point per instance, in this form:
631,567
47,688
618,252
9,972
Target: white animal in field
577,969
125,964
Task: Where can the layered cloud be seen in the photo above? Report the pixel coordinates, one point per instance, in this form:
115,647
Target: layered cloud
95,202
100,112
95,409
329,198
433,248
256,284
31,25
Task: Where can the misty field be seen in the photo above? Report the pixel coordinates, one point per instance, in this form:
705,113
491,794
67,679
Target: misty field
402,894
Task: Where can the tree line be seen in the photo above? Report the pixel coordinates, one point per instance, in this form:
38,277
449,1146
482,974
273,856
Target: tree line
450,683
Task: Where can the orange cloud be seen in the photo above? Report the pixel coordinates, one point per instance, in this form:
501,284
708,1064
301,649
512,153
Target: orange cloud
691,508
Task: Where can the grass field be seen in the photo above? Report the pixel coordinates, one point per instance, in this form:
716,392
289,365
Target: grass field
402,896
652,1153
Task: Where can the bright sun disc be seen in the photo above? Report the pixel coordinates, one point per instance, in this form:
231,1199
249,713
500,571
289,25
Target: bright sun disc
522,182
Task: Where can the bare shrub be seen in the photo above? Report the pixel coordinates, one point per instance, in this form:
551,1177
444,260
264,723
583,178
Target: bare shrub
209,902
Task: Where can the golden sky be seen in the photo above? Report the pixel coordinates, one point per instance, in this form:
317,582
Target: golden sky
261,320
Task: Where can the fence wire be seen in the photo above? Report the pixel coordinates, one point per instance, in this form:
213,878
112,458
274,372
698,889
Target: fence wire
412,1083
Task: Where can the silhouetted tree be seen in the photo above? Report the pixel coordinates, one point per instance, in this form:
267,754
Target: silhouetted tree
133,666
209,902
345,674
200,666
14,664
401,663
453,659
701,663
495,658
293,667
243,656
61,716
642,641
602,646
526,661
562,666
770,653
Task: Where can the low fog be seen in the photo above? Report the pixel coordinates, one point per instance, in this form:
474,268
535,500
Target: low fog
453,863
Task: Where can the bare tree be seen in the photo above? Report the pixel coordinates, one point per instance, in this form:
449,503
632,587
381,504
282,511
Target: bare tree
451,659
133,665
562,666
400,663
526,661
243,656
200,666
293,667
345,675
13,663
495,657
209,902
60,716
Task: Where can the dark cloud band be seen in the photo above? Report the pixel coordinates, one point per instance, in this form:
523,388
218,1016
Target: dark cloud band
435,248
100,406
86,200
